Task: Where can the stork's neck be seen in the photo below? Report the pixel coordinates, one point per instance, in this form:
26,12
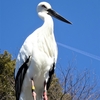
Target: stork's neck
48,23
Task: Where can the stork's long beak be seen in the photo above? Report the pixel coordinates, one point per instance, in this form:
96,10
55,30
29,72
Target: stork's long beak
56,15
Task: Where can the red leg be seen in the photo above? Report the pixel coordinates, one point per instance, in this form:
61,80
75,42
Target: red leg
45,92
33,90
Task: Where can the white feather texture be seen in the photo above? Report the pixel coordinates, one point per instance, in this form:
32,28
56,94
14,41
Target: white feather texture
38,54
42,49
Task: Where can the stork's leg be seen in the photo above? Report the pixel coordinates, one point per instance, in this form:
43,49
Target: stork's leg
33,90
45,91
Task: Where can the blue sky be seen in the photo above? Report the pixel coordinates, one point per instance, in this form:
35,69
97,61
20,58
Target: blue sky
18,19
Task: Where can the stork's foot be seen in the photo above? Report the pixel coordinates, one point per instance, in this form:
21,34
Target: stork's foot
45,95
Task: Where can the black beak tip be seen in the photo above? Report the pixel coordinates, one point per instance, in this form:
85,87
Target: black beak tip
70,23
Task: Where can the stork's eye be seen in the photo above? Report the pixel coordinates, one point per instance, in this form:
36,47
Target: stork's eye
44,6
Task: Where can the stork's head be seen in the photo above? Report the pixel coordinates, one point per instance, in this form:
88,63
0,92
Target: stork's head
45,8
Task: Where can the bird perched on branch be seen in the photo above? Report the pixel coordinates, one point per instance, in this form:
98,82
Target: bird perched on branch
37,58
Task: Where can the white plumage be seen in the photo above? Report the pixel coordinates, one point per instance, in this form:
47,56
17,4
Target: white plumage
39,53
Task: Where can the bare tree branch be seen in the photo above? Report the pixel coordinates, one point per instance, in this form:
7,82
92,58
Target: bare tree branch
78,85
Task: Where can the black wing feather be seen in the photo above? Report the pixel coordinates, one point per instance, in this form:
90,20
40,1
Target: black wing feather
51,72
20,77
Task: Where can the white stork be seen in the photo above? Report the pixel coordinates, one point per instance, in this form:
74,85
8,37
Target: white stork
37,57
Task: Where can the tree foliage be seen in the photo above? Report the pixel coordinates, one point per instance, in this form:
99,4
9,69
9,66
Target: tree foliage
55,91
6,77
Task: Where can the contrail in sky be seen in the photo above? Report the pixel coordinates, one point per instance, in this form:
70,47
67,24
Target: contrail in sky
80,51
